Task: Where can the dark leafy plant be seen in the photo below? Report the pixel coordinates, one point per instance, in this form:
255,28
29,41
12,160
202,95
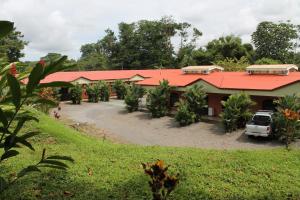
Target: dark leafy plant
287,118
158,99
76,94
93,92
132,97
120,88
13,116
196,100
161,183
236,111
104,91
184,116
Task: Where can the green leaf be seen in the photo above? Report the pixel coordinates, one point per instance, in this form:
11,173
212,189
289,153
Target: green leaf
56,84
54,162
53,166
5,28
29,135
66,158
27,170
25,143
9,154
3,118
34,78
15,90
55,66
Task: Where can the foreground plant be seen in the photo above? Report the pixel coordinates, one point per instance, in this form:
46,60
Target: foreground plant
13,116
236,111
161,183
287,119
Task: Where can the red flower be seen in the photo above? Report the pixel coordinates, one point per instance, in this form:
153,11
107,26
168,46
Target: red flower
42,62
13,69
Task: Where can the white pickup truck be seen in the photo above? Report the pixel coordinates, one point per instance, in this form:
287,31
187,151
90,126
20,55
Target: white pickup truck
261,124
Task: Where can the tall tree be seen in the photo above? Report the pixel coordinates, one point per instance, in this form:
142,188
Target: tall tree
229,47
142,44
12,45
275,40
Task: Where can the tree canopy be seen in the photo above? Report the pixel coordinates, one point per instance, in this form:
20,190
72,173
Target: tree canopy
275,40
11,46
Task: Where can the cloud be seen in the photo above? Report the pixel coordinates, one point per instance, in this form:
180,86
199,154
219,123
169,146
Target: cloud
64,25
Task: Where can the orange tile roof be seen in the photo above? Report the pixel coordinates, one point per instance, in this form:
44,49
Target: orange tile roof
222,80
228,80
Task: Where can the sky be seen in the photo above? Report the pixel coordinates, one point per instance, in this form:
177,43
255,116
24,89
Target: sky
62,26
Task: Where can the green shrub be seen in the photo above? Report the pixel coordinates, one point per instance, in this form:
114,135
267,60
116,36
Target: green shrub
183,115
132,97
196,100
104,92
158,99
120,88
93,93
286,119
236,111
76,94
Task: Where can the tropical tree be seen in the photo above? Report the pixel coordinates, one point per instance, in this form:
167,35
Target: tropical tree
275,40
104,91
93,92
287,118
14,114
158,99
236,111
132,97
120,89
184,116
233,64
76,94
196,100
230,47
11,46
266,61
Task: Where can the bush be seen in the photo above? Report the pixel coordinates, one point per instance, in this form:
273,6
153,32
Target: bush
286,119
184,116
120,88
196,100
93,93
158,99
161,183
132,97
104,92
236,111
76,94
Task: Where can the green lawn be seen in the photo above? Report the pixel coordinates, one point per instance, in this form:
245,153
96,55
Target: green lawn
117,173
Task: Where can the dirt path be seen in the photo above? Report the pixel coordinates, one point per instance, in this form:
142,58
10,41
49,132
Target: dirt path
138,128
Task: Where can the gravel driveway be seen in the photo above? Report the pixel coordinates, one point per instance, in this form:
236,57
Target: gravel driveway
139,128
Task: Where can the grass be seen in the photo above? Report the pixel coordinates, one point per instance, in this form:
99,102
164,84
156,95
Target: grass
116,172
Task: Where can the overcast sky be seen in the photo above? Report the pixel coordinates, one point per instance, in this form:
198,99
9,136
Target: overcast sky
64,25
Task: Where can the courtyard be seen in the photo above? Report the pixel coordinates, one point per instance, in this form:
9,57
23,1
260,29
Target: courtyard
139,128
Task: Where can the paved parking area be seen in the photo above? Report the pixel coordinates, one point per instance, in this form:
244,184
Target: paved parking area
139,128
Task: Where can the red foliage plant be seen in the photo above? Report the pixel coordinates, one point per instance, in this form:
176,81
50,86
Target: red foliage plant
161,183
